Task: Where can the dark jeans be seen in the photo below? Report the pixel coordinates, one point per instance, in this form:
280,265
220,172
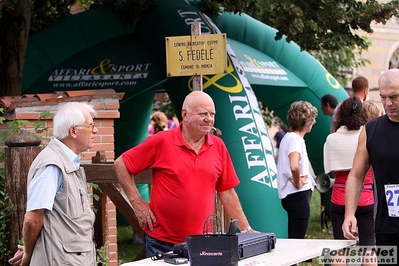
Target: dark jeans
297,206
153,246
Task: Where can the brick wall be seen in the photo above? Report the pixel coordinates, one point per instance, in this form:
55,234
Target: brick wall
106,104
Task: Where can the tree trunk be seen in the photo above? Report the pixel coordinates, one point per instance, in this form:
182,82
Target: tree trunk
14,33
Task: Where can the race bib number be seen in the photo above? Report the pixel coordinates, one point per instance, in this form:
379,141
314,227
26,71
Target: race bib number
392,195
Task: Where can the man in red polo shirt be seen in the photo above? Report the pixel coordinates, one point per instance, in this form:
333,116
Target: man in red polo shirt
188,164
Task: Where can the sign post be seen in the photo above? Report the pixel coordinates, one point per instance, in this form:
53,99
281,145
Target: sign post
196,55
197,79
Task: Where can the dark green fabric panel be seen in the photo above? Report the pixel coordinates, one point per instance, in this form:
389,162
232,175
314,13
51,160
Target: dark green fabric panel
77,33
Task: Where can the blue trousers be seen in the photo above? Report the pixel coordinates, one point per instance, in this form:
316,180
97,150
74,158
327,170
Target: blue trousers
154,246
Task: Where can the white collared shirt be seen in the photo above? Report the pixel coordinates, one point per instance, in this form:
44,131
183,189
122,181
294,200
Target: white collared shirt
47,183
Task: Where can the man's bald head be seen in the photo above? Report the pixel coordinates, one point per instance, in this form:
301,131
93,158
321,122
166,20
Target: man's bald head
196,98
389,76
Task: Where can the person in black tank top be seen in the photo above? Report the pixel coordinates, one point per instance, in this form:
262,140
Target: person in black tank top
378,146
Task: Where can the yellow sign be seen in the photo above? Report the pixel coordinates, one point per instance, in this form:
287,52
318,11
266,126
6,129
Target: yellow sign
196,55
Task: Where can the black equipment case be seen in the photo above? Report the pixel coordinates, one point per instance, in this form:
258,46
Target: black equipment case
252,244
249,244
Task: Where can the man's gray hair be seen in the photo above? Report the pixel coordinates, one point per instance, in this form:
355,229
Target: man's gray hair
70,114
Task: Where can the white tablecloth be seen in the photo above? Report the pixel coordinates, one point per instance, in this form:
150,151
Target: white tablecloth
286,252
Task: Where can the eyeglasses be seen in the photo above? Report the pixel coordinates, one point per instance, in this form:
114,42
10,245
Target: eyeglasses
90,126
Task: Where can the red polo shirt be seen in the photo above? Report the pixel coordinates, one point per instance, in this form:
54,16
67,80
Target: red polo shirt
184,182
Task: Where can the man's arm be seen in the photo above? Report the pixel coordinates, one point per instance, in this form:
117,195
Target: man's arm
354,185
48,179
141,208
233,208
33,223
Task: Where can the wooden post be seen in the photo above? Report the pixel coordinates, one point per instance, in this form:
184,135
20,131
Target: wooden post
100,224
19,155
197,79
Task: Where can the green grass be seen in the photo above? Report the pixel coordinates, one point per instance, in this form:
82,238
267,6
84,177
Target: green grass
127,250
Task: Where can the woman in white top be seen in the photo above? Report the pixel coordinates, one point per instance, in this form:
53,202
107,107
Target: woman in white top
294,181
339,151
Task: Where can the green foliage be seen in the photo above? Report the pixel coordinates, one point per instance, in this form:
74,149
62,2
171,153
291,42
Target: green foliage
42,125
1,117
131,10
340,63
127,248
14,126
39,127
47,13
101,258
314,24
95,187
327,29
94,195
5,210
